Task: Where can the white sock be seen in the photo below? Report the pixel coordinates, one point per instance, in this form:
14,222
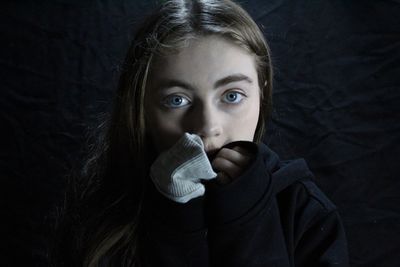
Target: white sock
177,172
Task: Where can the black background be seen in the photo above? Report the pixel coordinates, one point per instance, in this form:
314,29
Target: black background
336,103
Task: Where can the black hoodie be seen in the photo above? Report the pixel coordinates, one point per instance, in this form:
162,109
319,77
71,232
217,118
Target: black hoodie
272,215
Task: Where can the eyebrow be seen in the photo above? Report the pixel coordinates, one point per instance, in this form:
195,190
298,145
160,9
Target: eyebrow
228,79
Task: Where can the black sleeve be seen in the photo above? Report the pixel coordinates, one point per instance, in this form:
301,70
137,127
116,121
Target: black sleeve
314,229
173,234
323,244
240,233
252,224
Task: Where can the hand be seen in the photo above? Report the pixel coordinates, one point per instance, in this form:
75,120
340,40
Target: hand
230,163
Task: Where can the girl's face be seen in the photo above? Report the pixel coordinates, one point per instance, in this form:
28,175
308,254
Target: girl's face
209,88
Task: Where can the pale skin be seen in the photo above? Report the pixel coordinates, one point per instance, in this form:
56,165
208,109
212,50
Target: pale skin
209,88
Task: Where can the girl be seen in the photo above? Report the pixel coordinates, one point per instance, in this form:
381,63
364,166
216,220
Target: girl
180,176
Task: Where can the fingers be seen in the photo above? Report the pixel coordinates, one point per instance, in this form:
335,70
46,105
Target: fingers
223,178
237,156
230,162
243,151
225,166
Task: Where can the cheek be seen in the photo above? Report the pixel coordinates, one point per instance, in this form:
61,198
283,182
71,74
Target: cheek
168,122
243,125
165,129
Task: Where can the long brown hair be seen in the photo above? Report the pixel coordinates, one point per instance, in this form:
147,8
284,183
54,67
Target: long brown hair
100,222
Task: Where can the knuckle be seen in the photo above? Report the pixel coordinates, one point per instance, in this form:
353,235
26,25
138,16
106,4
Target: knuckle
224,152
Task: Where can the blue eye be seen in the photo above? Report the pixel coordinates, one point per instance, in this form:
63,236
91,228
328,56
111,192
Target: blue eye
176,101
233,97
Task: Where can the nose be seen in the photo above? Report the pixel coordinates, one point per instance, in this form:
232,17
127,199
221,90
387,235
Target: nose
206,122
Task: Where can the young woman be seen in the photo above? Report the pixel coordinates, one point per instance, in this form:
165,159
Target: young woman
180,176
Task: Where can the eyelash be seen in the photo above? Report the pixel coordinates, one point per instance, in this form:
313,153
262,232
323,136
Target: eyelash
170,97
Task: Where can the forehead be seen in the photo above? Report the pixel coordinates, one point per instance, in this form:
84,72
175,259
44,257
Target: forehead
204,60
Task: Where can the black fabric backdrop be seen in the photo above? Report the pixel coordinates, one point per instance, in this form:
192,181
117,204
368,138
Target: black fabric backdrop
336,97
